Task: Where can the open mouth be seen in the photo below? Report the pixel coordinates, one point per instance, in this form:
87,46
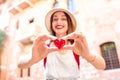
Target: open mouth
59,27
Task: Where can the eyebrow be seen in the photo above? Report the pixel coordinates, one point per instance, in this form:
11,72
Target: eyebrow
62,15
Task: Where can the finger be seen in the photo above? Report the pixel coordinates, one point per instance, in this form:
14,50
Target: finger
84,42
74,35
68,47
51,49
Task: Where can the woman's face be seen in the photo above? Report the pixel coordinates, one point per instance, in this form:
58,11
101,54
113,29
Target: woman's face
60,23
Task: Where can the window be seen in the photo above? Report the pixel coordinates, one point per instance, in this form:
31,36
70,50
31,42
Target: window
72,6
31,20
28,72
110,55
24,70
55,4
17,24
21,72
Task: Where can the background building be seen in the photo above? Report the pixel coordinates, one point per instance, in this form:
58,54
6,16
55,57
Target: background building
22,20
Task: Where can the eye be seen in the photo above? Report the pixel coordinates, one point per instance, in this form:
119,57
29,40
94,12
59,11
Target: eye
55,19
64,19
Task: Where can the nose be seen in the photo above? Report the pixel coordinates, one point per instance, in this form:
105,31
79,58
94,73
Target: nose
59,21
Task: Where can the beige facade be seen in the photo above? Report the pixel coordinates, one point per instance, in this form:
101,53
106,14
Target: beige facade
98,20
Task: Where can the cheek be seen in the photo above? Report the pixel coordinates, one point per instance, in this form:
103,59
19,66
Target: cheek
67,26
66,29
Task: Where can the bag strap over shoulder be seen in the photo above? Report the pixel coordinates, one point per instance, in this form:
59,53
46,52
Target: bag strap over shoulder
77,58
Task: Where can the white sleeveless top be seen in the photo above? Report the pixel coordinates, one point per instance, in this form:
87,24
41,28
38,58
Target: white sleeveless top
61,66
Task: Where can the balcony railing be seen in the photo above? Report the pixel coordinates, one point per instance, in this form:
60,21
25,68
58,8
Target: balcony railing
21,5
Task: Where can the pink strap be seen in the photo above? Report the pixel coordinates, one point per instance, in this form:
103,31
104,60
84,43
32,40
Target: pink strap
77,59
45,60
76,56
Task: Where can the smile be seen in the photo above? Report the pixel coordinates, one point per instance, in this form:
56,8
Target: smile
59,27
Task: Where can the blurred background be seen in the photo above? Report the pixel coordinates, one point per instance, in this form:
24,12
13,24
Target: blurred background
22,20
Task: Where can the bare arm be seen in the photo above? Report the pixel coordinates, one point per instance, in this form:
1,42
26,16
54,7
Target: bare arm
39,51
96,60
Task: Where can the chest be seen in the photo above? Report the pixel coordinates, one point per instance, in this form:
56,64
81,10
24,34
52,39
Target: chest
59,60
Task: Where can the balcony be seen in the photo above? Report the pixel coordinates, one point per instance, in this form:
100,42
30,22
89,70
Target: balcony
26,35
21,5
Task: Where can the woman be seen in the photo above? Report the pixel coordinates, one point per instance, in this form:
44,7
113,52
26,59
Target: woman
64,44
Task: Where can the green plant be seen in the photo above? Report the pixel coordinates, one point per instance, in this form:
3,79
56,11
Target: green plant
2,38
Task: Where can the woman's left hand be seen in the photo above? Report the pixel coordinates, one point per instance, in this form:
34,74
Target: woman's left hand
80,45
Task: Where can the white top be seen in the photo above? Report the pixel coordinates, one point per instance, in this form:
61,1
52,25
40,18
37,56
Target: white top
61,66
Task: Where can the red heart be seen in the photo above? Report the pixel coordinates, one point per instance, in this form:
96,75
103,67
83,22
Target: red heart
59,43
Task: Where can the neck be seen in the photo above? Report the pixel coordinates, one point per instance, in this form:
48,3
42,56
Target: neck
60,35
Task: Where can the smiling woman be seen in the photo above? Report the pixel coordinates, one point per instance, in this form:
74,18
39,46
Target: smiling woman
66,16
61,54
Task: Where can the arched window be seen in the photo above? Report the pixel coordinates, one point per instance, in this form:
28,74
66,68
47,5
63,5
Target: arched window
110,55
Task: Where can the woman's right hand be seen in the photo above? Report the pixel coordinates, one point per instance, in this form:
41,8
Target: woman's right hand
40,48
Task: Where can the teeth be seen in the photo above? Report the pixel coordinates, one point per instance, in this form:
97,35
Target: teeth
59,26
